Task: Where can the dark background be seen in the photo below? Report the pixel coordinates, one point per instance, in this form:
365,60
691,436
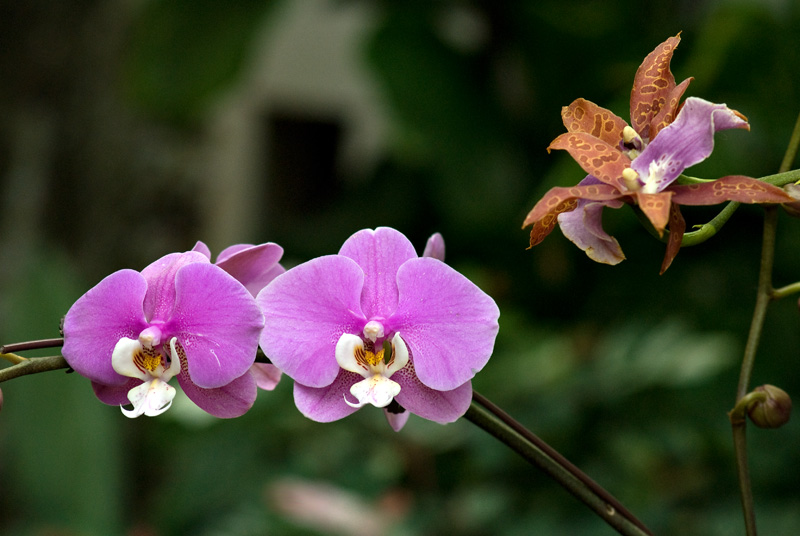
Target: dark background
129,130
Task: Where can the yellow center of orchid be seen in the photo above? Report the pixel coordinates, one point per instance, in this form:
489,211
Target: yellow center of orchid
366,357
146,358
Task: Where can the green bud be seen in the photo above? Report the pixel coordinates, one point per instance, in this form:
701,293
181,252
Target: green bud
772,411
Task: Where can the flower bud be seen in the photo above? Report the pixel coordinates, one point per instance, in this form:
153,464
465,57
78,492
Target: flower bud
1,399
772,412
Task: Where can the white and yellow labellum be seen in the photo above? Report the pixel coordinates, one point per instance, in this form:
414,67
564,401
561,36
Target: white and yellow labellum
139,359
376,388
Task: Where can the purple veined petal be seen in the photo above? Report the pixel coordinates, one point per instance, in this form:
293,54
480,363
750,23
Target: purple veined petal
306,311
217,323
447,322
396,420
435,247
201,247
160,277
227,401
326,404
253,266
115,395
379,253
434,405
95,323
266,375
684,143
584,227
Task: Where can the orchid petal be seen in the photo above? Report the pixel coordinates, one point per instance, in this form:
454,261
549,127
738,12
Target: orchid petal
253,266
399,355
559,200
677,227
432,404
217,323
160,276
447,322
584,227
99,319
267,376
595,156
379,253
653,87
686,142
656,208
123,362
585,116
151,398
345,352
730,188
397,420
306,310
434,247
231,400
326,404
115,395
377,390
201,247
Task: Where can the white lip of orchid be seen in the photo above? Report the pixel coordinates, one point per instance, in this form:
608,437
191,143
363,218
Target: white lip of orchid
141,360
376,388
656,171
373,330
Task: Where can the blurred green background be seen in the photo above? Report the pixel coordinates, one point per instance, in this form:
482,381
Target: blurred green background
130,129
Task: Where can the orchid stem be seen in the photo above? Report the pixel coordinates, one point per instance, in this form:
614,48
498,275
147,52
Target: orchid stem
32,345
502,426
785,291
764,295
33,365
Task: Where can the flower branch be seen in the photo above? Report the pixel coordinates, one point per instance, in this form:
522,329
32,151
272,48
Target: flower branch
764,295
499,424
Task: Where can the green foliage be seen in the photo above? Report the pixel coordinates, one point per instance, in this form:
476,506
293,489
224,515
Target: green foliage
182,53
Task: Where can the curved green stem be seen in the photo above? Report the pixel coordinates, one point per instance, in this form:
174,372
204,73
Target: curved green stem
33,365
764,295
786,291
499,424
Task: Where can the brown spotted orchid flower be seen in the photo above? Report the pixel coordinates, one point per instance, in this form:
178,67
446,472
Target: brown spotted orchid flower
639,163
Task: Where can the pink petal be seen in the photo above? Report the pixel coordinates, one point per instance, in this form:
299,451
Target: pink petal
99,319
306,310
201,247
584,227
115,395
379,253
326,404
447,322
252,266
228,401
217,322
435,247
267,376
438,406
160,277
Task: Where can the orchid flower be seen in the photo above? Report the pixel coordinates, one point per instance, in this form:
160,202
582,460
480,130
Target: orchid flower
254,267
639,163
180,316
378,325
